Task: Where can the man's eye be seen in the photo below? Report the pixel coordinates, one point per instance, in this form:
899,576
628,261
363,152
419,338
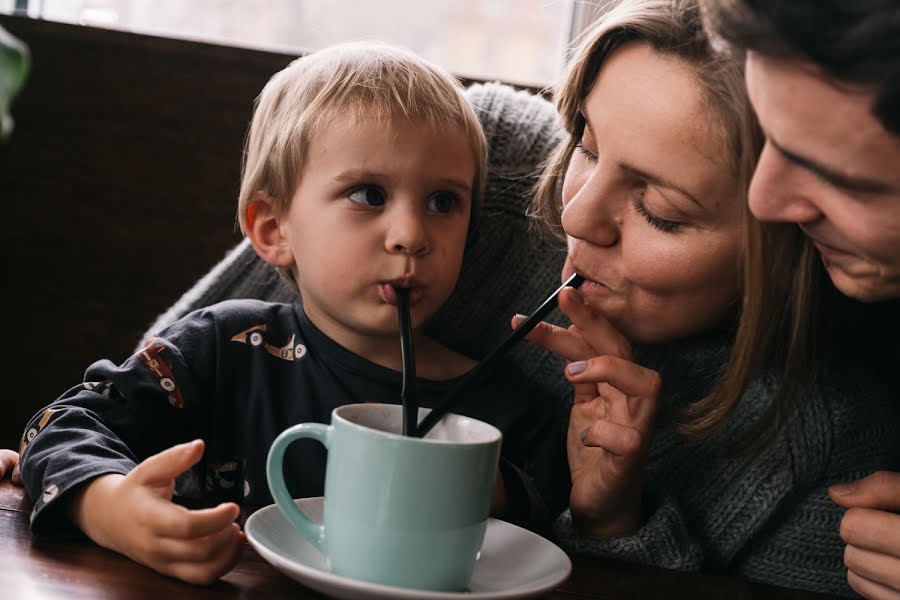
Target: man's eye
368,195
442,202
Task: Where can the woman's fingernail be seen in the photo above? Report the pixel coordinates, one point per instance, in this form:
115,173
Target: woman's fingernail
518,318
844,489
577,367
577,297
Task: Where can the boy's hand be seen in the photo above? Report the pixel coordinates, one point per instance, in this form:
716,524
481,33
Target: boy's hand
611,421
134,515
9,463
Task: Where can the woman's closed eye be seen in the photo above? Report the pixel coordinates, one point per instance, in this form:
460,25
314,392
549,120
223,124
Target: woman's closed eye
368,195
582,149
657,222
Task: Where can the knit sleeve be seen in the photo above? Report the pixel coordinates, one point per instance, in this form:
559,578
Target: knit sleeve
848,430
663,541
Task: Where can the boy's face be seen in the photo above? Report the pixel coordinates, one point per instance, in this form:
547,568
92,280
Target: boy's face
378,203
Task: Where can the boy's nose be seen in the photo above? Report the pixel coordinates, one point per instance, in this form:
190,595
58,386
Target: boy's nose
407,234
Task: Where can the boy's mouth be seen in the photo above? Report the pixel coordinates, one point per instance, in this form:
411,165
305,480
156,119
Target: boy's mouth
389,294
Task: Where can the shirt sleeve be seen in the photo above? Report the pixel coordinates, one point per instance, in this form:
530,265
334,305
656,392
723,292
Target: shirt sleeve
117,417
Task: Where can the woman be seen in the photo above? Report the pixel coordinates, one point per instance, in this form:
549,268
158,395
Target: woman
656,153
705,431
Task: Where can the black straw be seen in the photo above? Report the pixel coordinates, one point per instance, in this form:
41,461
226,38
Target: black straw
489,362
408,356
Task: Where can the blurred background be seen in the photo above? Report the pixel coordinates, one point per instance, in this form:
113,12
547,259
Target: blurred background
518,41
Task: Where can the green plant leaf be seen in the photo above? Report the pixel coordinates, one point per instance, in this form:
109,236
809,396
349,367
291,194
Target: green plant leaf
14,60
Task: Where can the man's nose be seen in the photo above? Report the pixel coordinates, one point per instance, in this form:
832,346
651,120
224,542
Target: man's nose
782,191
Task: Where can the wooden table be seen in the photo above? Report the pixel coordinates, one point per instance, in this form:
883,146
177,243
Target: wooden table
41,569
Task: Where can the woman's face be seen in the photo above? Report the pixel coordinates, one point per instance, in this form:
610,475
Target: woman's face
652,207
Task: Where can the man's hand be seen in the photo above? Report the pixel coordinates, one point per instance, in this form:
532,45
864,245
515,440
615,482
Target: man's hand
871,529
134,515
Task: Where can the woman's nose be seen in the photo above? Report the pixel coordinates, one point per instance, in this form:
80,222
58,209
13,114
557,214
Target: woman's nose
782,191
589,211
406,232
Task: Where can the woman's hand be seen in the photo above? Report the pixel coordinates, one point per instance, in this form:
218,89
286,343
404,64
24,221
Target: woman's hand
871,528
9,463
611,421
134,515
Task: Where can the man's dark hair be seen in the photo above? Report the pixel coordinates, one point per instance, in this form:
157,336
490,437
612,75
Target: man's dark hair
852,41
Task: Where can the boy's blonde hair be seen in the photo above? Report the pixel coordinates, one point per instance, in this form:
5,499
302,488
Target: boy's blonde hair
357,81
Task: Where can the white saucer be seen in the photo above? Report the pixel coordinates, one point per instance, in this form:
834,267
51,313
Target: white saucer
514,562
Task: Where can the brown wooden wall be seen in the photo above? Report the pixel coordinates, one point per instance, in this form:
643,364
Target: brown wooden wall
118,189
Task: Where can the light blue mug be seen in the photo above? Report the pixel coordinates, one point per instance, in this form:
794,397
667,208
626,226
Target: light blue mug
398,510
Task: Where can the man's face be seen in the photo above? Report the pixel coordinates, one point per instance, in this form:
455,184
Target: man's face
831,167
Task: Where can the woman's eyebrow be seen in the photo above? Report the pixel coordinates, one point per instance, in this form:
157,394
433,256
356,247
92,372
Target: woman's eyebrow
660,182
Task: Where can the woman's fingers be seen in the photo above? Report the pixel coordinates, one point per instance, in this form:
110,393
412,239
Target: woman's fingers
639,385
874,566
620,440
563,342
593,327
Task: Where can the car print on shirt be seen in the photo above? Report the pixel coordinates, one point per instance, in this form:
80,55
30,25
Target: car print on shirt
151,355
32,432
256,337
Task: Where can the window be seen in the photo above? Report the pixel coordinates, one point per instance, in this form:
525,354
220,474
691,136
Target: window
518,41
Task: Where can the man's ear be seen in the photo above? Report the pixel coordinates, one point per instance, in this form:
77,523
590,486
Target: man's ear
264,230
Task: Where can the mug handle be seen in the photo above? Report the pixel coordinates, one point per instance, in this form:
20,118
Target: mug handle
311,530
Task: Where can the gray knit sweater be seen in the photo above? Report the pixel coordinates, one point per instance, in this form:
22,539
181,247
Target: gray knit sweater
762,516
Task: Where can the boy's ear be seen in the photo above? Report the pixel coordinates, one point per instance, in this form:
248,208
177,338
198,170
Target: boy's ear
264,230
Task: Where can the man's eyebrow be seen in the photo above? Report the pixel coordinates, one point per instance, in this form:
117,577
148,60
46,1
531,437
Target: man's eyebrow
660,182
833,176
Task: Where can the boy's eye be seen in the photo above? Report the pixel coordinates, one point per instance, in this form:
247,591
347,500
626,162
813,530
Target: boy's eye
442,202
368,195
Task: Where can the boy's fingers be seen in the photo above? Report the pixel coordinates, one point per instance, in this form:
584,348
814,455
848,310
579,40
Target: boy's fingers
181,523
198,550
168,464
209,571
593,327
880,491
8,461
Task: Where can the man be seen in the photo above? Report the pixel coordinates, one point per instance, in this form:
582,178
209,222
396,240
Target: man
824,79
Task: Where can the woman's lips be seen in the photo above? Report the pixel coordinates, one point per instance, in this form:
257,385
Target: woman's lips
389,294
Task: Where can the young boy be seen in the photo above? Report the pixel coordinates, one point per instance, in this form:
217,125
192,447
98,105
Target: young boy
363,169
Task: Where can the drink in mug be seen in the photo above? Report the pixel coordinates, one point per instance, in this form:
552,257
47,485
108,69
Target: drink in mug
398,510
